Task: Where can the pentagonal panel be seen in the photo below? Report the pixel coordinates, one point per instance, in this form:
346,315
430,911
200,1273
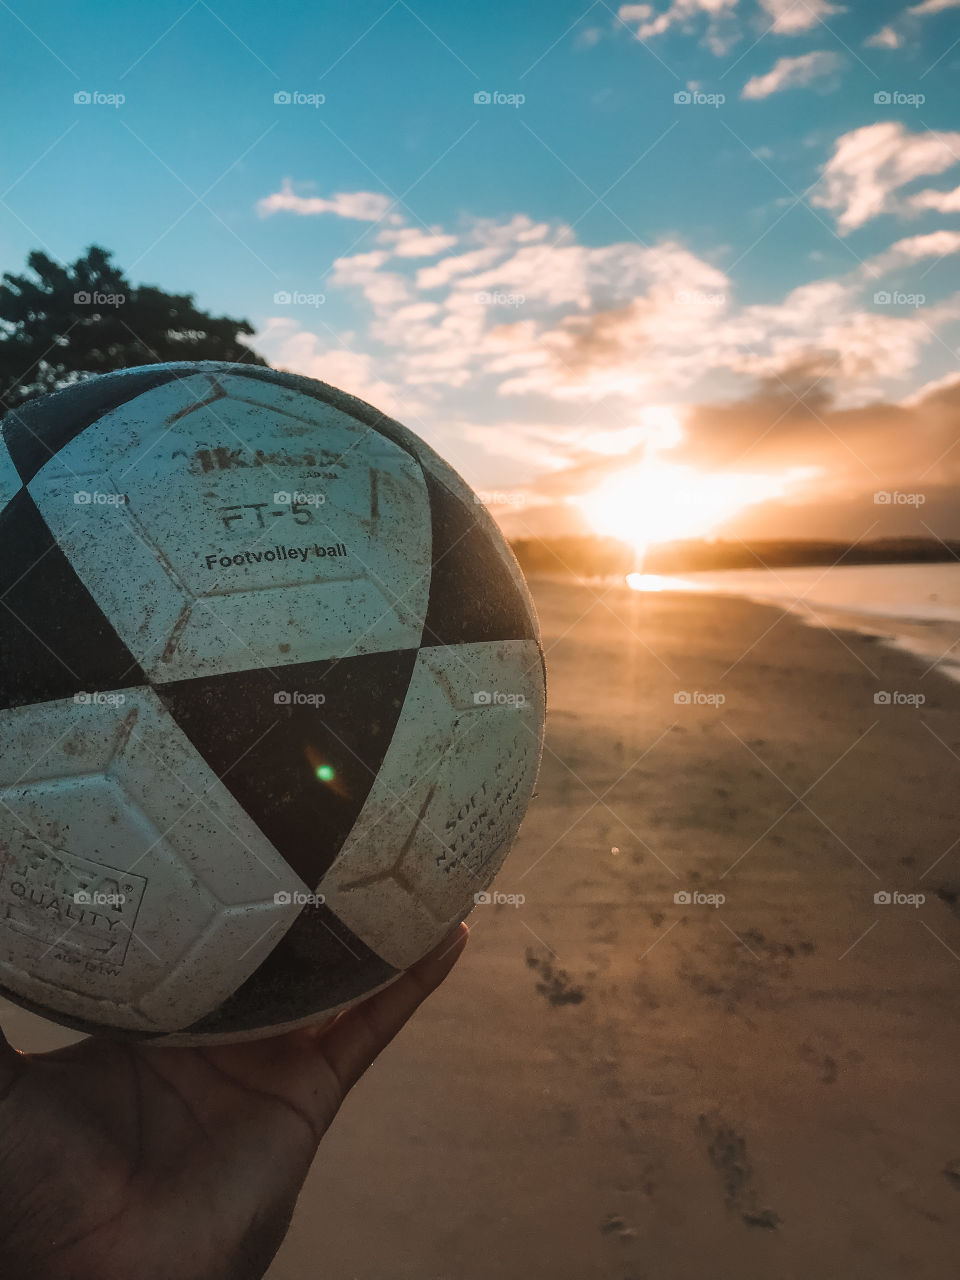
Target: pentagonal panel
222,524
448,799
125,863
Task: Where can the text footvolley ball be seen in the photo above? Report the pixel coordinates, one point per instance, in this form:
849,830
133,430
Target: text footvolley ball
271,701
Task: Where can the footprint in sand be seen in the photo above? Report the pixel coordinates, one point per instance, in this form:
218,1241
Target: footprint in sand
727,1152
555,985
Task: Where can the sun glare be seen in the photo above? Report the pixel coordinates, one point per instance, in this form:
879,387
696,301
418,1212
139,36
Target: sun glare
657,502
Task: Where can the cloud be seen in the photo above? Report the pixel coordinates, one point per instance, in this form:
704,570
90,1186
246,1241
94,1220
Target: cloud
361,206
885,38
878,445
793,16
932,6
411,242
384,290
296,350
889,38
719,35
663,343
870,164
792,73
935,244
941,201
791,425
518,319
447,269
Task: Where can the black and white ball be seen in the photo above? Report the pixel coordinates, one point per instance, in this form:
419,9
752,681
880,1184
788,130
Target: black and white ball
271,702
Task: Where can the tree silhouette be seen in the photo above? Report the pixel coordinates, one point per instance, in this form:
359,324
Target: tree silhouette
64,323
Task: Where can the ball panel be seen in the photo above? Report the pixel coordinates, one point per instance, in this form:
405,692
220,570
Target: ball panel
433,465
324,393
298,748
128,896
472,594
206,503
10,482
318,965
430,461
54,638
37,431
448,799
75,1023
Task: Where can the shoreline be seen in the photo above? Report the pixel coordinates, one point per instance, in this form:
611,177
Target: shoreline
935,640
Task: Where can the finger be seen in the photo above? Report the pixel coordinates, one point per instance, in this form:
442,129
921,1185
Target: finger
11,1064
360,1034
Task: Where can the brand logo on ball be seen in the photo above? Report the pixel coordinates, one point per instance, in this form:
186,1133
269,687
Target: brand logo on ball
77,909
224,457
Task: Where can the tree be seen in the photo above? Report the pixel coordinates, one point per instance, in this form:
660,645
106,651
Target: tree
64,323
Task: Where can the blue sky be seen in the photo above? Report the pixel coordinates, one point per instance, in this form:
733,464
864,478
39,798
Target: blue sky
637,260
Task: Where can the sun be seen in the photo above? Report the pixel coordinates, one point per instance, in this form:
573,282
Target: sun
660,502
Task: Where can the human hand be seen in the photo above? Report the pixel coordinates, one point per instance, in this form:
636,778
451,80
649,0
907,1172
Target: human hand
123,1162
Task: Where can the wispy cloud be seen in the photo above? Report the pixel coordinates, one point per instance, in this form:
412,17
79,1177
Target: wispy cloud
411,242
933,6
793,16
885,38
685,14
793,73
362,206
941,201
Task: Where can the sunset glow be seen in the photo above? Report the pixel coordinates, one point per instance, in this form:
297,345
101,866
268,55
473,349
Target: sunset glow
659,502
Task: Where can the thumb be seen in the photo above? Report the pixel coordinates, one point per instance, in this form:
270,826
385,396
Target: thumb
358,1036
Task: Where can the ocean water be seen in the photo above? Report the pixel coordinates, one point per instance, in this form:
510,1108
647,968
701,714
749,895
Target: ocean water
915,607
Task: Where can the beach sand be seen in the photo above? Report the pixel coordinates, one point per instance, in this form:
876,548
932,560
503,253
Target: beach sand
616,1086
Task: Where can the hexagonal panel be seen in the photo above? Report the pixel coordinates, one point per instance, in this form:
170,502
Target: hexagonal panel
133,889
221,524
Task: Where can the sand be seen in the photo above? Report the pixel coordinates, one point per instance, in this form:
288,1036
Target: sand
615,1085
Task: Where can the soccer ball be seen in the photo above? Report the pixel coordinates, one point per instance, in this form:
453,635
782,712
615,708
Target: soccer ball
271,706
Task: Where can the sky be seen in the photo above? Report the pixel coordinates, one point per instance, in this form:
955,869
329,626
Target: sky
657,270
